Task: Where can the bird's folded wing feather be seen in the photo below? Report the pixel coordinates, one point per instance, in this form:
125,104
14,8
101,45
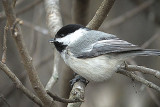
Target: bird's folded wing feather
101,47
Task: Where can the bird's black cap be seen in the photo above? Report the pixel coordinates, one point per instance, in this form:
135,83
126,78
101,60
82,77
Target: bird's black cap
65,30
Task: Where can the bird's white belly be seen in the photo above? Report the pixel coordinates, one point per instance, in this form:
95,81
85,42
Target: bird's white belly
93,69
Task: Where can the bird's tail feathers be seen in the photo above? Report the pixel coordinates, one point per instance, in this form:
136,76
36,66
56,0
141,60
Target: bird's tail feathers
145,52
148,52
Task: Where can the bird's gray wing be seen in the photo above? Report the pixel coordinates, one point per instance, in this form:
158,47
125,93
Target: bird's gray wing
113,45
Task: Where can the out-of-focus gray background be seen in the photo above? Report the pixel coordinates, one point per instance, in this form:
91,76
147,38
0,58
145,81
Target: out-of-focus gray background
120,91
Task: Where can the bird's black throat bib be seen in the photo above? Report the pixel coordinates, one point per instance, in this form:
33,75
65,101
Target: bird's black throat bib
60,46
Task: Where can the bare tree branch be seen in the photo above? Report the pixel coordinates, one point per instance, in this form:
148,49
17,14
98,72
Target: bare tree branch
5,44
80,11
143,70
129,14
101,14
19,85
63,100
137,78
27,60
77,92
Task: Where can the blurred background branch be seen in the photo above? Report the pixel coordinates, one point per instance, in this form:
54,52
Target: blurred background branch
4,100
130,14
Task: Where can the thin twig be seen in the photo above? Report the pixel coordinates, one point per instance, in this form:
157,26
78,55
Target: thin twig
54,76
27,60
5,101
101,14
137,78
129,14
143,70
19,85
23,10
5,44
63,100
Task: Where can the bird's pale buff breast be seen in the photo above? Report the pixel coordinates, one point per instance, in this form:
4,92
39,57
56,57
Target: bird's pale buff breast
93,69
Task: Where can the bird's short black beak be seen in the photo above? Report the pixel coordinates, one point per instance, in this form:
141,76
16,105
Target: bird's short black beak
52,40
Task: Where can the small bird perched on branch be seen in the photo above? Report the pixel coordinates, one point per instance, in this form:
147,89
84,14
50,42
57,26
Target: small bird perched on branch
94,55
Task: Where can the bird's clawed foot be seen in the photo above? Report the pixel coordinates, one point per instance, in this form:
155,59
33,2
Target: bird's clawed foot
125,65
78,78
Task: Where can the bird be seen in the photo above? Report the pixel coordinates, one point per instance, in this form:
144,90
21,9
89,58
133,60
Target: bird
93,54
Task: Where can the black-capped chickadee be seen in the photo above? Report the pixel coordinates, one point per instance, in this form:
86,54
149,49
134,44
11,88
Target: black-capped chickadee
94,55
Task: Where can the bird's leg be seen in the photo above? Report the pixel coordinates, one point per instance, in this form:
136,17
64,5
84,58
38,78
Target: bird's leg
78,78
125,65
